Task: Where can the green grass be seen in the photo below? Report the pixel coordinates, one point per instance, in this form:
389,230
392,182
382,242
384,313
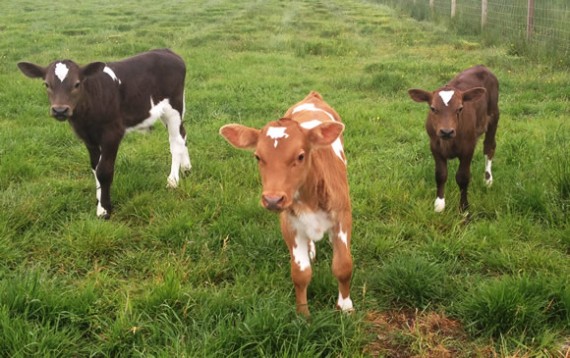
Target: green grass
506,25
202,270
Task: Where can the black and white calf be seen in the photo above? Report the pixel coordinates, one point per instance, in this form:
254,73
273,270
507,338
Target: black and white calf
104,101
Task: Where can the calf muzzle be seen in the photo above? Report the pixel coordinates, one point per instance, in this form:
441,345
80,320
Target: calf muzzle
273,202
446,133
61,112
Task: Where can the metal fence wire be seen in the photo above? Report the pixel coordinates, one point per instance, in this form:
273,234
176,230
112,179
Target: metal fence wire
540,24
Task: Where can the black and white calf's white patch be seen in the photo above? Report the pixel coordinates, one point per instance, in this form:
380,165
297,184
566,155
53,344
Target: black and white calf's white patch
103,101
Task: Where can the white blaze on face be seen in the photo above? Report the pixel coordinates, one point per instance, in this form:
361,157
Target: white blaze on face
439,205
446,96
61,71
276,133
112,74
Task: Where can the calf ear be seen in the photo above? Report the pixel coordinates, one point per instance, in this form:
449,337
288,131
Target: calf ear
239,136
31,70
325,133
420,95
474,94
92,68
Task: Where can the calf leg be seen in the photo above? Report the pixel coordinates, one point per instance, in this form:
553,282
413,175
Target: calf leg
95,157
104,173
462,178
440,179
489,146
178,149
342,261
301,271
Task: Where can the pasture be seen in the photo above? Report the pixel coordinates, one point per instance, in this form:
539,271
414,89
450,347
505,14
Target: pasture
202,270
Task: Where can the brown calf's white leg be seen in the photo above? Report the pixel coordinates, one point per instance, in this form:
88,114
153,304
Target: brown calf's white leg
342,263
301,271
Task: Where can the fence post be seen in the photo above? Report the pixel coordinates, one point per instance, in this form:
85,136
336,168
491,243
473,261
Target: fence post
453,7
483,13
530,19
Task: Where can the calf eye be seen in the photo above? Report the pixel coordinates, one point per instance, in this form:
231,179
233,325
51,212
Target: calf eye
301,157
46,85
433,110
257,157
459,110
76,85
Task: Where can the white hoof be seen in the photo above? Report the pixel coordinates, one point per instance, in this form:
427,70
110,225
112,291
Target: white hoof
345,304
439,205
172,182
101,212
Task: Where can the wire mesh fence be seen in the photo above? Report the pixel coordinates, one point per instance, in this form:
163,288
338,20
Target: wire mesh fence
529,26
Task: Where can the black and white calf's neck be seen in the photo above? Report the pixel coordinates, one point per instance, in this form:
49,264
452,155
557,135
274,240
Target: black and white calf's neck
103,101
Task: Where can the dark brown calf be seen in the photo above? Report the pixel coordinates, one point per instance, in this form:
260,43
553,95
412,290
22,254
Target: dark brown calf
460,112
104,101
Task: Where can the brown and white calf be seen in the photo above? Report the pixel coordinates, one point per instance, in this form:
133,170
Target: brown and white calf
303,173
104,101
460,112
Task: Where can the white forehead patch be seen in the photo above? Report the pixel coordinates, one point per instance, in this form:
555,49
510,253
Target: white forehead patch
61,71
311,107
446,96
311,124
112,74
276,133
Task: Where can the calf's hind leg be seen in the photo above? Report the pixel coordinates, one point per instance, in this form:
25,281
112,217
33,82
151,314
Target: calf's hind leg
177,138
489,146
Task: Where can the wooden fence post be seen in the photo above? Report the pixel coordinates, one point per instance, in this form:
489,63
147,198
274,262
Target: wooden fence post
483,13
453,7
530,19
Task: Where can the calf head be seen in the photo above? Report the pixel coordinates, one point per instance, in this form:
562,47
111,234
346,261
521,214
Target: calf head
64,83
446,105
283,151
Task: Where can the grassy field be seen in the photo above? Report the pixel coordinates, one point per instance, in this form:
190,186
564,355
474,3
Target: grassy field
202,270
506,24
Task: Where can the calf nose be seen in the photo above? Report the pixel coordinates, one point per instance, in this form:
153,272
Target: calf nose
273,202
60,112
447,133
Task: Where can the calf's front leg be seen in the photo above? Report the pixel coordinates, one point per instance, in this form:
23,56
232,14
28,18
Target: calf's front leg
104,173
462,178
94,158
440,179
301,271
